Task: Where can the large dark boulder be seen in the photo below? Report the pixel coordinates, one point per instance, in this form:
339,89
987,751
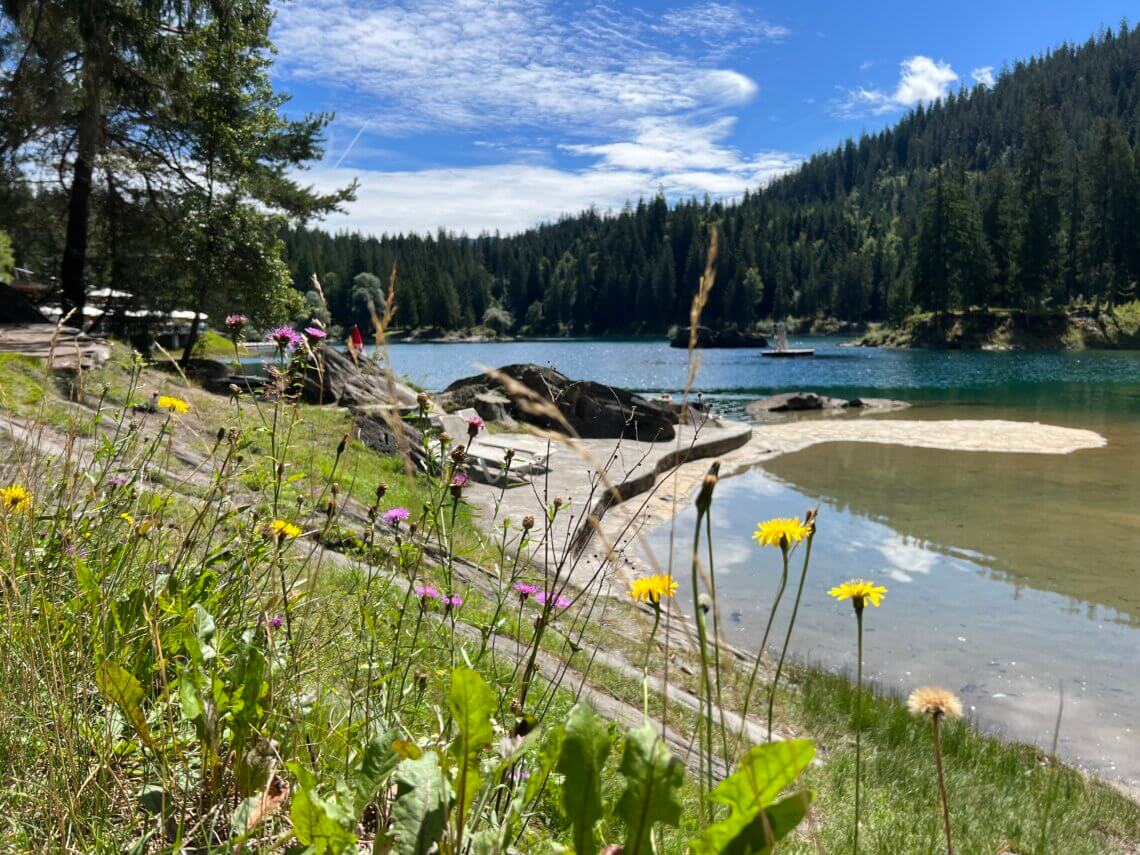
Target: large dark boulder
593,410
352,382
710,338
795,402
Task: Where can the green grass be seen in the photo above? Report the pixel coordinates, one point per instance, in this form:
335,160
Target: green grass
1001,794
81,769
214,345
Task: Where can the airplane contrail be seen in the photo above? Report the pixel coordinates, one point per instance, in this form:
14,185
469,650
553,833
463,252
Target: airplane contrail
351,144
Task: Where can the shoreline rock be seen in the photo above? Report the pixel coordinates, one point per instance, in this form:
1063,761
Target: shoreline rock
593,410
798,402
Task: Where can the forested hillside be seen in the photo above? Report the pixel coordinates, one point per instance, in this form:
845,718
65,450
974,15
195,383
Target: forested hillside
1024,195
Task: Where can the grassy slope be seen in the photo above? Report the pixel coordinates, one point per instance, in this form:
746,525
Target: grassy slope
1001,794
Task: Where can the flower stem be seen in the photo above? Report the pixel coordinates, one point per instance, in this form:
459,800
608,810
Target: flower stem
760,652
942,784
645,663
858,715
788,637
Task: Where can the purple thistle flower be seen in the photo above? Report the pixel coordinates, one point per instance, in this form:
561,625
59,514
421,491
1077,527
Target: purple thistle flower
285,338
394,516
474,425
460,479
426,592
315,333
453,602
116,480
525,590
542,598
276,621
236,323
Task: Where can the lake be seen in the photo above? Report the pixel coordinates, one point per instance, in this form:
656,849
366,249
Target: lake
1008,574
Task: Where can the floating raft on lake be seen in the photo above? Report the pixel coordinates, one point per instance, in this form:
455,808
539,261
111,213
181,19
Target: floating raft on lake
790,353
782,350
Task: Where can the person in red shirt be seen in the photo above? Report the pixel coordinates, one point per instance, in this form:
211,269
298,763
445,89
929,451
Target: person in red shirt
357,339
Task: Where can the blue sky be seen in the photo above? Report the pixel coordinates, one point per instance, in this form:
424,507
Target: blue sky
476,115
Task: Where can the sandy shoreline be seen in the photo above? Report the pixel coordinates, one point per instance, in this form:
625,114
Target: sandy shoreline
771,440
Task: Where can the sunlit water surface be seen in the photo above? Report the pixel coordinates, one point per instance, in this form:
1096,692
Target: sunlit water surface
1008,575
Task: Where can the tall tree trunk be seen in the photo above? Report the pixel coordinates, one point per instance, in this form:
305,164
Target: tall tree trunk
79,200
192,337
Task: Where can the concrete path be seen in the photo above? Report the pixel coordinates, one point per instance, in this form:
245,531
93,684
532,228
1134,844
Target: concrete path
589,477
63,347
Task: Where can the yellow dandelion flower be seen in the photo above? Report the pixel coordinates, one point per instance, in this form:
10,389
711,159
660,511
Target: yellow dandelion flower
933,701
280,528
782,531
174,405
127,518
15,498
652,589
858,591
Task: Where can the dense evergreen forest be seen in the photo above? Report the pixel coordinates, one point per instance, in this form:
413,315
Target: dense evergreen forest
1023,195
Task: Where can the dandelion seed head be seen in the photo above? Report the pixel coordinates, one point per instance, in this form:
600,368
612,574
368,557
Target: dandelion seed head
934,701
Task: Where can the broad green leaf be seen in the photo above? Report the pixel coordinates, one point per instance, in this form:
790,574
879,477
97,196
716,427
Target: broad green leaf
422,799
472,705
585,746
320,823
756,822
740,835
188,694
653,779
765,771
379,757
120,687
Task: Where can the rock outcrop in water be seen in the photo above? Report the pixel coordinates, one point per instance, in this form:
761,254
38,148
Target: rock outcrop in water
709,338
797,402
593,410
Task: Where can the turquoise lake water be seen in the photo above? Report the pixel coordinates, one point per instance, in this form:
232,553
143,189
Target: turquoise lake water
1008,575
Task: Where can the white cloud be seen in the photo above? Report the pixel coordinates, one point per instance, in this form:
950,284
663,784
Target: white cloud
513,196
984,75
460,64
907,555
722,27
921,80
506,197
637,100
